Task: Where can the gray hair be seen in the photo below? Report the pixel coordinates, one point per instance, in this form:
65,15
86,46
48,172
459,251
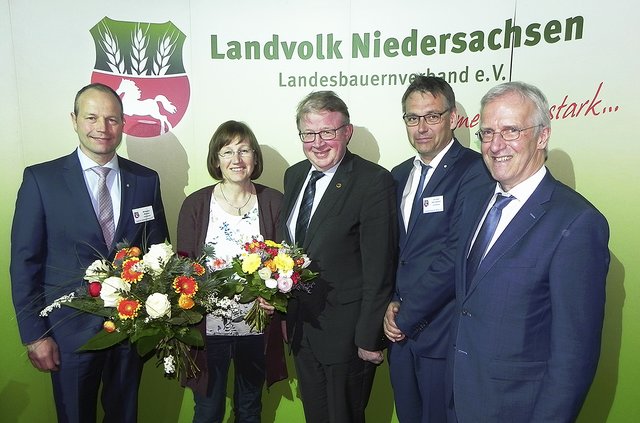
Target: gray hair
526,91
322,101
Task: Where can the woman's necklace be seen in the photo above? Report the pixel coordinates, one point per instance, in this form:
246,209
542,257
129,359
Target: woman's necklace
233,205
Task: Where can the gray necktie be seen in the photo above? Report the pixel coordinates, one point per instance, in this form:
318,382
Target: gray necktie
105,206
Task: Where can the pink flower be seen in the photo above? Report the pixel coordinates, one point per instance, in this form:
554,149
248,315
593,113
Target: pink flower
284,283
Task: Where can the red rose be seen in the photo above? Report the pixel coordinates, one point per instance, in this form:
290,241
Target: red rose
94,288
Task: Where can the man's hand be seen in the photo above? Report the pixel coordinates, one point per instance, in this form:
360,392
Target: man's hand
375,357
44,354
391,331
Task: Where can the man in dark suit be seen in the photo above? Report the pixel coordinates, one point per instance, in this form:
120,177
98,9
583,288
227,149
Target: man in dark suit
417,320
341,209
530,277
59,229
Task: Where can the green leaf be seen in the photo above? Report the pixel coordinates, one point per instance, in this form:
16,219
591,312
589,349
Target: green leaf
247,296
230,289
146,344
279,302
102,340
90,305
186,317
145,332
191,337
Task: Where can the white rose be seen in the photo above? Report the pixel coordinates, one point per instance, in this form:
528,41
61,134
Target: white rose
284,284
270,283
264,273
97,270
158,305
111,288
157,257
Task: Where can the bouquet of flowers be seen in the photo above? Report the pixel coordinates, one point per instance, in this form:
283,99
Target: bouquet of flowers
153,300
272,271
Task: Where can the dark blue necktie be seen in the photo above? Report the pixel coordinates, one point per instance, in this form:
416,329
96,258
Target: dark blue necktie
305,207
416,208
485,234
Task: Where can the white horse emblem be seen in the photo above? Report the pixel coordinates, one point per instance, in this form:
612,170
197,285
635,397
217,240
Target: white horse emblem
133,106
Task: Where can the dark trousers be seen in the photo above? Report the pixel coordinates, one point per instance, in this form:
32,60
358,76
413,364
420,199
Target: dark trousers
418,385
247,353
333,393
76,385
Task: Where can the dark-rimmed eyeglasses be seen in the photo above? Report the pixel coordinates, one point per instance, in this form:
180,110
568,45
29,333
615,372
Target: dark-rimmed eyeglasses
432,118
325,134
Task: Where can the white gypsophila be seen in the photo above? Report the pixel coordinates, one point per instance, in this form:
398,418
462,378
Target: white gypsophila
97,270
157,257
158,305
111,289
57,303
285,283
270,283
264,273
169,364
223,306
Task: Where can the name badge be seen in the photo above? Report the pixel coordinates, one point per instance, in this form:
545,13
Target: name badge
433,204
143,214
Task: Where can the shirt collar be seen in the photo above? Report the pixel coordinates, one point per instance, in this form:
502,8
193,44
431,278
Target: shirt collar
86,163
436,160
524,189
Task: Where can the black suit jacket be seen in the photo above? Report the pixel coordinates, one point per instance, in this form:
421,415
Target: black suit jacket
56,236
351,240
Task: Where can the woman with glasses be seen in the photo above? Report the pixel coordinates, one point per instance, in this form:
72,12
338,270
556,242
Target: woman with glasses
227,215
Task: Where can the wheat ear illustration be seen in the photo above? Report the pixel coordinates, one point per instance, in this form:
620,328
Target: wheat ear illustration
166,47
109,45
139,44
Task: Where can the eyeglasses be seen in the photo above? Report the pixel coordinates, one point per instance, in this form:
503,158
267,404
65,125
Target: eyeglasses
509,134
228,154
325,134
430,118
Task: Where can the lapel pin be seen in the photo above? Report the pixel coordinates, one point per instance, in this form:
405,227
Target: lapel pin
338,185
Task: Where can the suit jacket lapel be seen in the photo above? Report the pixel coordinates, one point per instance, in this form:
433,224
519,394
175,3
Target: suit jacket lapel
402,176
127,194
291,195
82,206
523,222
336,189
436,178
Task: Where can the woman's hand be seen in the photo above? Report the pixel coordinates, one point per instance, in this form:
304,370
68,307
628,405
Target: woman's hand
268,308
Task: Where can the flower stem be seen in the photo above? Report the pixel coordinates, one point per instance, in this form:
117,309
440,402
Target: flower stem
257,318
